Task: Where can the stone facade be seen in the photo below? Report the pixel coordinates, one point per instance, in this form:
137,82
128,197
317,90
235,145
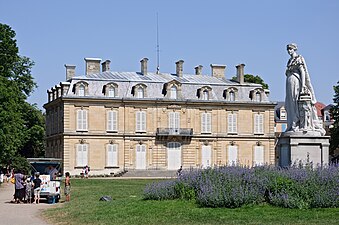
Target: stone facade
114,121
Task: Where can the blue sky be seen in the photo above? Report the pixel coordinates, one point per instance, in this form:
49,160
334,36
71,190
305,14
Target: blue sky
54,33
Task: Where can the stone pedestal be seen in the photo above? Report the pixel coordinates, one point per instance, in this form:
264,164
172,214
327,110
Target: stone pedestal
297,147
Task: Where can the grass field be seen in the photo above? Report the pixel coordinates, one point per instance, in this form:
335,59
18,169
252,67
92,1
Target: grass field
128,207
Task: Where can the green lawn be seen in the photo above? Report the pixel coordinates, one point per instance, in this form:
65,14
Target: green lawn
128,207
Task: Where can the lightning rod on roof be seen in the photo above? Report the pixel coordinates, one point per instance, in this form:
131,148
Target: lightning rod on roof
158,50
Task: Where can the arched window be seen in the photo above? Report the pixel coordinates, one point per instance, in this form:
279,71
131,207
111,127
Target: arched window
205,95
173,92
81,90
140,92
111,91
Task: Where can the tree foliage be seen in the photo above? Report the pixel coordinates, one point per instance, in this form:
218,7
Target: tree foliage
253,79
21,124
335,115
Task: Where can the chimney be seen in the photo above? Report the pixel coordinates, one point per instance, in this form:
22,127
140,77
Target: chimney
218,71
92,65
179,67
240,73
144,66
198,70
105,65
70,71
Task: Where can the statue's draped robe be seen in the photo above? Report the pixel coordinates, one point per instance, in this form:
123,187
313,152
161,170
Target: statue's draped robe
293,90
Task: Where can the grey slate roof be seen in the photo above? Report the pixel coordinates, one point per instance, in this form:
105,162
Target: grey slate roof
155,84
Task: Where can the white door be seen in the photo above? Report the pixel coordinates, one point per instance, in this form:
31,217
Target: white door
140,157
206,156
173,155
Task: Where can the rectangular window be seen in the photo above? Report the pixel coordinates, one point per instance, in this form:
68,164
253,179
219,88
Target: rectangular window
112,155
206,125
140,121
112,120
82,120
232,123
258,123
82,155
232,154
258,158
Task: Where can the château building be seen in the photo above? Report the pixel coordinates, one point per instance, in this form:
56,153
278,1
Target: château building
114,121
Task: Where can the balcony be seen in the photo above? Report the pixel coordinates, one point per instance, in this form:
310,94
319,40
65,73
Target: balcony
174,132
179,134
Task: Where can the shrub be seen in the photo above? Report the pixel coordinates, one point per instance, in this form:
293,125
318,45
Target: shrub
235,186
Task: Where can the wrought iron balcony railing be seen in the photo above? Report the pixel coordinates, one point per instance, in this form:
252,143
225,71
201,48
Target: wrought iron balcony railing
174,132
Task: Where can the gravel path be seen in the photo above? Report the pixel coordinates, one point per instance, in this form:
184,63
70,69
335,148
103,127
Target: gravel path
16,214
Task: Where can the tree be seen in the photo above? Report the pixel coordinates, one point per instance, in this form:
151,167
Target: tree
334,143
21,124
253,79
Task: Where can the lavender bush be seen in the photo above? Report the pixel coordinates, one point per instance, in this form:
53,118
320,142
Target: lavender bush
235,186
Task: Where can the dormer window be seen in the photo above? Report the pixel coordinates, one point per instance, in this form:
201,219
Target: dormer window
139,91
257,95
173,92
204,93
230,94
80,88
110,90
172,89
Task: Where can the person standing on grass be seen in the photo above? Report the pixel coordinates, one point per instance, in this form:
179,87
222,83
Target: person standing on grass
37,188
68,187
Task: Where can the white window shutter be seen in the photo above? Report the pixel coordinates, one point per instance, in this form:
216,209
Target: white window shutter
261,123
84,119
114,120
112,155
232,123
138,122
232,155
177,120
79,120
258,123
109,120
143,122
82,155
171,120
208,122
203,123
259,155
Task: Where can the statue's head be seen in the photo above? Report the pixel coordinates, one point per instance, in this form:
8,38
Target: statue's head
292,46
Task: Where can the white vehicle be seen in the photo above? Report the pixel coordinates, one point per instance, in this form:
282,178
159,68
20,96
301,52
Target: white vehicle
50,175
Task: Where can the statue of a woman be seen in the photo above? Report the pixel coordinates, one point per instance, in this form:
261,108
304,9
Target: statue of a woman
298,83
